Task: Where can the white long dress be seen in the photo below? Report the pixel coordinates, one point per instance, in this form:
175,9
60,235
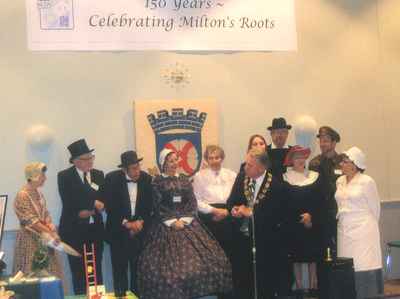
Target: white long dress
358,226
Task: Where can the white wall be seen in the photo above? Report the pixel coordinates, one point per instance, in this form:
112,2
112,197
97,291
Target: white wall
345,74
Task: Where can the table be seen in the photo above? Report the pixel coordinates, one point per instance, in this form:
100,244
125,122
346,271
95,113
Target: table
39,289
109,296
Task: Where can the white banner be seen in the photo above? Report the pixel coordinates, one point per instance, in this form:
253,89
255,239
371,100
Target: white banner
189,25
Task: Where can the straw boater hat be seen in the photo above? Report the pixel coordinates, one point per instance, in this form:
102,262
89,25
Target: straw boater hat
297,149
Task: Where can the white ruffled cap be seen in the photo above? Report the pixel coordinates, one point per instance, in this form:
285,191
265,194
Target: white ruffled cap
163,154
357,157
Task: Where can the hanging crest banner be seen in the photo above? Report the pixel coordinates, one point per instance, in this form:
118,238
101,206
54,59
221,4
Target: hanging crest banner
188,25
184,126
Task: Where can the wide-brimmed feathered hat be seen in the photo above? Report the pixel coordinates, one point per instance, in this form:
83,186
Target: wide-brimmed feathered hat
297,149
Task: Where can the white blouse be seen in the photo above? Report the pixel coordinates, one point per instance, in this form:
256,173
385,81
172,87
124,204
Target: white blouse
212,187
358,226
359,195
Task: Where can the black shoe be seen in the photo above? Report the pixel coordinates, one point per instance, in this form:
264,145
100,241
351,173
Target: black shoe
314,293
119,294
298,294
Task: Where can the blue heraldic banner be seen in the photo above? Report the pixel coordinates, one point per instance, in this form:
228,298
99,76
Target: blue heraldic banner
180,132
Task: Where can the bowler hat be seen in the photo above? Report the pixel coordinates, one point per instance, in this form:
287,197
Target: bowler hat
129,158
78,148
279,123
328,131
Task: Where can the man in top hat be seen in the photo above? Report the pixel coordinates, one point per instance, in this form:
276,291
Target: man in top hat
278,149
81,221
328,165
128,199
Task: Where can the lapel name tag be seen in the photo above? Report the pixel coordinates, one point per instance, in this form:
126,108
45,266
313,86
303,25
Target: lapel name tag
177,199
94,186
338,171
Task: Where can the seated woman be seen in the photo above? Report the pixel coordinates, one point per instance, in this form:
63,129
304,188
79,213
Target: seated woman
34,219
304,197
358,223
212,187
180,260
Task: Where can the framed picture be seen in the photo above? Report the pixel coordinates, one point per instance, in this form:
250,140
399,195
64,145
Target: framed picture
3,207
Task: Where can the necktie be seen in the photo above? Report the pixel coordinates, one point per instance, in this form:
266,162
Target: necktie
252,189
244,228
85,180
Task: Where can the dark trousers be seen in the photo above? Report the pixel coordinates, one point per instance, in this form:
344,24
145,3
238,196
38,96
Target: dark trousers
124,256
242,268
223,233
77,266
221,230
273,275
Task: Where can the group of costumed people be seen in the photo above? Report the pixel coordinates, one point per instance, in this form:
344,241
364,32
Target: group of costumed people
218,233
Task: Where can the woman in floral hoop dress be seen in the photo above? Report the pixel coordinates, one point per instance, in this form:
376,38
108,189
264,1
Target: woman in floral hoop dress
180,259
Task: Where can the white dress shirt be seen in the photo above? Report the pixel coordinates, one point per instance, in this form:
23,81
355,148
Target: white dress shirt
259,181
358,227
81,174
212,187
273,146
89,179
132,190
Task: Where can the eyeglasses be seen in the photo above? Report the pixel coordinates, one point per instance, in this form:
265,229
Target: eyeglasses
347,161
87,158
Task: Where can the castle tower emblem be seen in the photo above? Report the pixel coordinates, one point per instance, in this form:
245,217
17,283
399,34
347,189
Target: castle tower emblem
182,133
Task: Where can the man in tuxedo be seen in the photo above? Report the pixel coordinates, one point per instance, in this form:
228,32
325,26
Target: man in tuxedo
256,193
128,199
278,149
81,221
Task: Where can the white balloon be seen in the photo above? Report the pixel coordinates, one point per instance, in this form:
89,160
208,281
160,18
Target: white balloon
305,130
40,137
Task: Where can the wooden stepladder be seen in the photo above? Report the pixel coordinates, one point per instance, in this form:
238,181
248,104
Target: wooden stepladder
89,257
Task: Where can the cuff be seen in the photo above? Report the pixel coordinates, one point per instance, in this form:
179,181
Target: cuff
205,208
169,222
186,220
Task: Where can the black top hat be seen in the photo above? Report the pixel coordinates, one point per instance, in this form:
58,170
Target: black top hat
279,123
78,148
129,158
328,131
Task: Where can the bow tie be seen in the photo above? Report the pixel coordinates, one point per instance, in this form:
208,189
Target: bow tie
130,181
